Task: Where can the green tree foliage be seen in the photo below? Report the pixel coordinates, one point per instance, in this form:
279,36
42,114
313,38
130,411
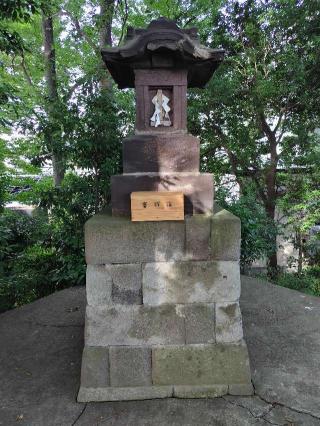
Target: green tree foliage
14,11
12,44
94,143
60,109
301,204
261,106
257,229
84,119
20,238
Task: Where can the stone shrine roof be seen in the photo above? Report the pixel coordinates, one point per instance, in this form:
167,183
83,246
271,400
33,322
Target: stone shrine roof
162,45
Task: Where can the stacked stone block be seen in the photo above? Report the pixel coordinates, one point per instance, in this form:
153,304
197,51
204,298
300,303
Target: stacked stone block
163,316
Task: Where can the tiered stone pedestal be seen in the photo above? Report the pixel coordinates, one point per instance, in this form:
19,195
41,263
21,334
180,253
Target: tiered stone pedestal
162,162
162,159
163,316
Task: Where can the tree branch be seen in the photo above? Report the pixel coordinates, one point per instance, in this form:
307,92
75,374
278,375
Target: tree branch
234,162
265,127
22,65
124,21
259,188
231,155
80,31
25,72
278,122
77,84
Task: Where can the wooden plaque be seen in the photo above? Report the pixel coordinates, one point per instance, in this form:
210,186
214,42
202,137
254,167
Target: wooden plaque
156,206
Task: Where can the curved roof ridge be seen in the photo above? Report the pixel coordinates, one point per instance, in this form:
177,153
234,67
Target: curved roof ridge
162,45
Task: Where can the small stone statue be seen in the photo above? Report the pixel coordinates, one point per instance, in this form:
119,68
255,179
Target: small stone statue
161,112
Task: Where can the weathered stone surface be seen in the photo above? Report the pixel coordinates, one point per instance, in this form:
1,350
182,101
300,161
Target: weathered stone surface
241,389
124,394
197,189
206,391
225,236
123,325
228,322
114,239
199,323
160,153
126,283
98,285
200,365
130,366
190,282
110,239
95,367
198,229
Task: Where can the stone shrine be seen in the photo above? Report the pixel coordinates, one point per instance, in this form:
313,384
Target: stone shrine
163,316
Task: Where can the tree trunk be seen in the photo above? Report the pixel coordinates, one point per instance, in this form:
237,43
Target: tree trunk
270,196
53,135
106,16
105,36
271,209
270,205
272,259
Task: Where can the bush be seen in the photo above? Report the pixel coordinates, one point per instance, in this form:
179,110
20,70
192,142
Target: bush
23,254
17,232
44,253
257,230
307,282
30,277
312,250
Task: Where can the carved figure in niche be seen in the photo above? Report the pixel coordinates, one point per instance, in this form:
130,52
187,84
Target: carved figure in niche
161,110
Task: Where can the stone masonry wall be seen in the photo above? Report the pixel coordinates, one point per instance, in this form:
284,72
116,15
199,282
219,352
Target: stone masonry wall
163,316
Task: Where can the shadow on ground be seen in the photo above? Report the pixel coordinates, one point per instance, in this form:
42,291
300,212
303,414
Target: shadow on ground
40,354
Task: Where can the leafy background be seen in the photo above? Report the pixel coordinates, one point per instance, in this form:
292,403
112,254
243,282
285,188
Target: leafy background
62,121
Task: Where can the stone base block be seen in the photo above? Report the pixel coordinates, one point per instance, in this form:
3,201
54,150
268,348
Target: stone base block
161,153
117,240
95,366
228,325
225,236
190,282
197,189
135,325
110,239
181,371
201,365
130,366
140,325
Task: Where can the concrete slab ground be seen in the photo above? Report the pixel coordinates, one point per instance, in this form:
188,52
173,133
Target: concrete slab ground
40,355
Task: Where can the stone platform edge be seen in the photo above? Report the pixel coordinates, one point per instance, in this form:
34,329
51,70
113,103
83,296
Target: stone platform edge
159,392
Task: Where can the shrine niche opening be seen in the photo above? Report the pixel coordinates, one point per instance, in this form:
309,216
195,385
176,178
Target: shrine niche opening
161,106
